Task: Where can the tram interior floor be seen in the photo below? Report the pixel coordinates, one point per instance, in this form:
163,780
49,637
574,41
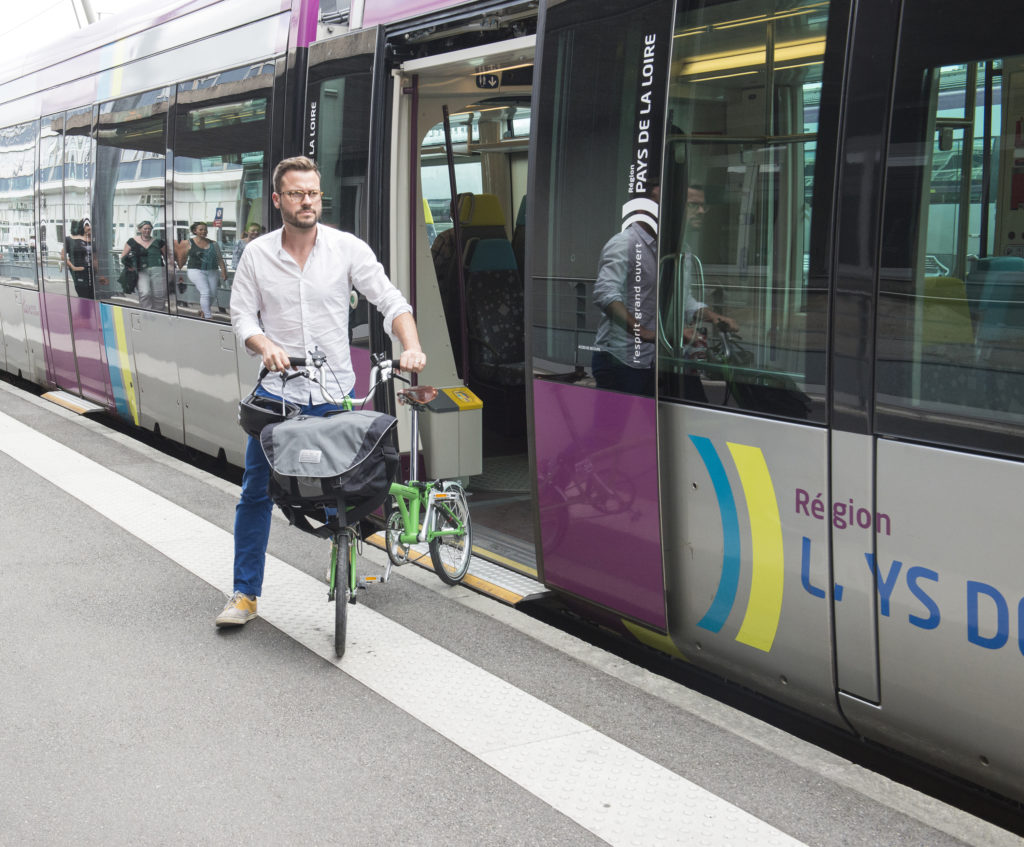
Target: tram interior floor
500,496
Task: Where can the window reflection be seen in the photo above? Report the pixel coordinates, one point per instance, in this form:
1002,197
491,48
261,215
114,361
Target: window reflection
50,181
218,184
951,310
740,324
17,231
342,144
129,230
78,255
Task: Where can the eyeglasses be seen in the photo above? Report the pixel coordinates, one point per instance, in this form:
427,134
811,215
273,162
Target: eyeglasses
695,206
298,196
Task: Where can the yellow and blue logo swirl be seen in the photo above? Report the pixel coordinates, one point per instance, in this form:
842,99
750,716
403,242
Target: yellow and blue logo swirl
764,605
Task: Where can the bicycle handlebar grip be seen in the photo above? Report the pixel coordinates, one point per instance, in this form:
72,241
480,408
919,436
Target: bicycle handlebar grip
297,361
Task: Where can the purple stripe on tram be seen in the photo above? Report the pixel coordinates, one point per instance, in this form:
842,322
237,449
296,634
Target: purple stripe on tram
92,366
58,340
597,468
308,13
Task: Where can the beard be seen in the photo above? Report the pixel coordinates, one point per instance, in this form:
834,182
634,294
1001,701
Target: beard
300,219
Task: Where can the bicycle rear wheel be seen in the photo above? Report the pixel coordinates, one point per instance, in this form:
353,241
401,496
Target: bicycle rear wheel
450,554
342,553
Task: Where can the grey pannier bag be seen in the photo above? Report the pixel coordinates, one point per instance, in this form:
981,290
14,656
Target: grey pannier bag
323,468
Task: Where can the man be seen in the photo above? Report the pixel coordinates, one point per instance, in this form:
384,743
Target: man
625,291
696,210
291,294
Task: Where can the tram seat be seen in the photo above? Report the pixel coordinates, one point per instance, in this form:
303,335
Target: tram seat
496,322
495,313
480,216
519,239
946,318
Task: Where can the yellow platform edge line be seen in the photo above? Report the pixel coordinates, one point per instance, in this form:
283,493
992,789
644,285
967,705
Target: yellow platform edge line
470,581
511,564
489,588
377,540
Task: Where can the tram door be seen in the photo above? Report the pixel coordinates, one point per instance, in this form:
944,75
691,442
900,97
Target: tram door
86,329
68,266
465,266
61,369
593,227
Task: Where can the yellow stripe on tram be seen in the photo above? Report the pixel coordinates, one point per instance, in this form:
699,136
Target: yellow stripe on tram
761,621
123,363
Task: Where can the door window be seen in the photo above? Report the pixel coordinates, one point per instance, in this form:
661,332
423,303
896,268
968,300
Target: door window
598,166
340,95
50,184
77,246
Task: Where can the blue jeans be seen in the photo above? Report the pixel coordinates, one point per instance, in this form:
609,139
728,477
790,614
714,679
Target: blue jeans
252,514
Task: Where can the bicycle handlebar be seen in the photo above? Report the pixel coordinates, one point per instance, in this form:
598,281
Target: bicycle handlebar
383,369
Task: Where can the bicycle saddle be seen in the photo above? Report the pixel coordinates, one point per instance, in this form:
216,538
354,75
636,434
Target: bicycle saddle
417,395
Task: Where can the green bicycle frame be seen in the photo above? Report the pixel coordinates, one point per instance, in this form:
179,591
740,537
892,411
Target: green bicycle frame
411,499
334,568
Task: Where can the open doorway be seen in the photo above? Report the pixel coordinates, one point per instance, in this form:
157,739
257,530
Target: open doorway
467,258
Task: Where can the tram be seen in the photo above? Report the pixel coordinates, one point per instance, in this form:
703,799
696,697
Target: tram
805,485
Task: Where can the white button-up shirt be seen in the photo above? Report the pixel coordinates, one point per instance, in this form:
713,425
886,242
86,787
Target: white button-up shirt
304,308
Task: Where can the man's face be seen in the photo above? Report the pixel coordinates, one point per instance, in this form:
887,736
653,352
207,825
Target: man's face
696,208
300,212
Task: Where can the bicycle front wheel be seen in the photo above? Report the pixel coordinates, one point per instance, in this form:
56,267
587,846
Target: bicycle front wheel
342,590
450,554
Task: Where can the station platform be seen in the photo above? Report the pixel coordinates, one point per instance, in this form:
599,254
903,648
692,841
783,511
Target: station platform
453,719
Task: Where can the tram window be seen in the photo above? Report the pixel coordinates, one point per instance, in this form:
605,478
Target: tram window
342,147
740,324
50,184
17,221
436,188
79,153
343,144
219,175
128,197
950,347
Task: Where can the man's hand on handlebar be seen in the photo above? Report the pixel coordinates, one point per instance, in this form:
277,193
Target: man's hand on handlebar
412,361
275,359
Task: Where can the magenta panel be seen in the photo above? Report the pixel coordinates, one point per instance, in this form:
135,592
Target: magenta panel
58,340
597,469
90,352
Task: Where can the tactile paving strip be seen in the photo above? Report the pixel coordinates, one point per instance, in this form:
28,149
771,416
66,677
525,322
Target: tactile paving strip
621,796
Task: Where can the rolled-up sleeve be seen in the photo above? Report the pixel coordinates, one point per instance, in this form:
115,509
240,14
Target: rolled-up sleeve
611,272
369,278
